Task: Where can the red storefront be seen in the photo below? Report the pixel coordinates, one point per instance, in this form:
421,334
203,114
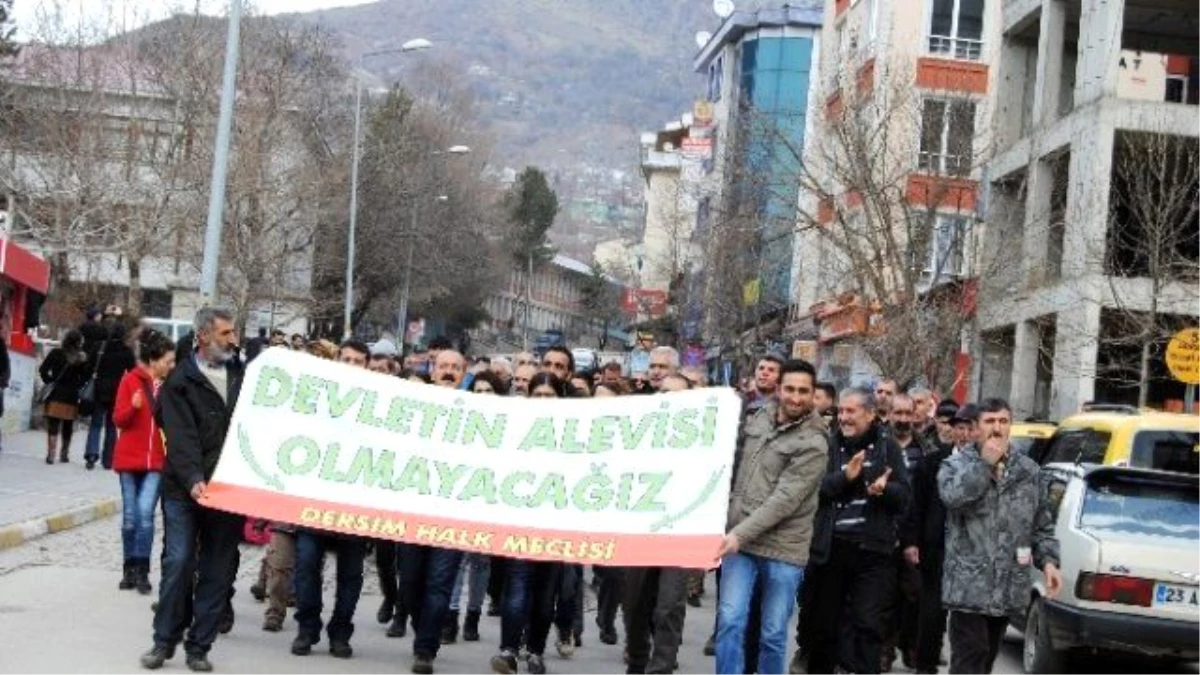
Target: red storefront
22,274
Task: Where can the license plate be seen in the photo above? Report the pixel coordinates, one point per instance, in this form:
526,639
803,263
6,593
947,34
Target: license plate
1171,595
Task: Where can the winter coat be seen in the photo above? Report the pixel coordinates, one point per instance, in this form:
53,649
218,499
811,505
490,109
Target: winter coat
195,419
115,360
139,446
925,523
988,521
775,485
67,375
883,513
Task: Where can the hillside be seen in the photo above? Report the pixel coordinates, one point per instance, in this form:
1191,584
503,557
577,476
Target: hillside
563,84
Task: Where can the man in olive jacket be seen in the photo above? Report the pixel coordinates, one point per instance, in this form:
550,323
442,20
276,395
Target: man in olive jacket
781,460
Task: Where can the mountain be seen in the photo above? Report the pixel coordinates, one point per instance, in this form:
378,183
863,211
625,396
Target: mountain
563,84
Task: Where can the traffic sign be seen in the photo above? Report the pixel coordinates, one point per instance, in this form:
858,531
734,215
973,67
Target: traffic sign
1183,356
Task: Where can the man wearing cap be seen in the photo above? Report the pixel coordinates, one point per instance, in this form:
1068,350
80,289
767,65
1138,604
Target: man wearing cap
923,537
383,357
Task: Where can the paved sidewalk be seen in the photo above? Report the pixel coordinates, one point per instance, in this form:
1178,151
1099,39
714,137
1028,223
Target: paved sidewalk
37,498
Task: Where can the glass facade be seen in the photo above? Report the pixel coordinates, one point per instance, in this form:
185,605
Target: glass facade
774,86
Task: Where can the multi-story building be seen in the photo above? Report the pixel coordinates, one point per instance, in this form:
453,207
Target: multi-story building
888,221
1093,191
556,299
761,68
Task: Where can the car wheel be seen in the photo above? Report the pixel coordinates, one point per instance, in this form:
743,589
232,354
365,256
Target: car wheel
1038,654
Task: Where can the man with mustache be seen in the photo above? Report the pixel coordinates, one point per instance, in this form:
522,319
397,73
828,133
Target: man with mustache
427,573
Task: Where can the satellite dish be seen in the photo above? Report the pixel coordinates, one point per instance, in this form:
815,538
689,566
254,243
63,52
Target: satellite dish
702,38
723,8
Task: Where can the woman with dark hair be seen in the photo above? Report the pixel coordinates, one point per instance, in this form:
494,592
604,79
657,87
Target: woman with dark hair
65,370
112,359
532,587
138,454
488,382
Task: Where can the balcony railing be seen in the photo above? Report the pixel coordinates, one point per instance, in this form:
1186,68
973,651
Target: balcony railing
956,48
943,164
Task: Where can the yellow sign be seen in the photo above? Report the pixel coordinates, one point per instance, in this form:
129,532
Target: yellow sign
751,292
1183,356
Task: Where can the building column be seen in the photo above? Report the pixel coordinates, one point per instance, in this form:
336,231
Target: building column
1088,193
1008,116
1100,25
1039,188
1047,88
1023,380
1075,349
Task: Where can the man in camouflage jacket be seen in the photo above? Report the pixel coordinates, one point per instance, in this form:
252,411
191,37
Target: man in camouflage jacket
998,524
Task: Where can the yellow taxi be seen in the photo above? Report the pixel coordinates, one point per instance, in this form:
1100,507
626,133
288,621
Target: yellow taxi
1119,435
1030,437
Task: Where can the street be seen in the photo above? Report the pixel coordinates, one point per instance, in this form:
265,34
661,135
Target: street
44,584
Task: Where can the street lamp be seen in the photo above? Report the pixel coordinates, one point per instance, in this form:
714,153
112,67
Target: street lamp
417,44
402,328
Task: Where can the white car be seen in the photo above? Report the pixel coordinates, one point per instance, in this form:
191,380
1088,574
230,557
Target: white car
1130,548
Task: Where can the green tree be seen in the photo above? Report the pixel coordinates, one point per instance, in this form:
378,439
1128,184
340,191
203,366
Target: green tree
532,207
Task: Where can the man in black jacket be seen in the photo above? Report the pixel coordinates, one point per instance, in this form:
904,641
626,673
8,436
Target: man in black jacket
862,498
924,537
194,410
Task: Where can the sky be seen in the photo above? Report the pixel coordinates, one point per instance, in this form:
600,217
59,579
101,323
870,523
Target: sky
33,16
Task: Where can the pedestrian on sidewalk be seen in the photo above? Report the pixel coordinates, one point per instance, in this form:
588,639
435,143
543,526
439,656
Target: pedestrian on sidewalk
110,362
194,408
65,370
138,456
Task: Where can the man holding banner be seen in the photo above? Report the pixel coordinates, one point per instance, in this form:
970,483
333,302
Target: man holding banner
200,544
781,462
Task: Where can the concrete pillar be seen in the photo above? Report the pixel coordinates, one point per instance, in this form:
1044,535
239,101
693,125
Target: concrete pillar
1023,382
1100,26
1090,175
1039,188
1075,347
1048,87
1010,93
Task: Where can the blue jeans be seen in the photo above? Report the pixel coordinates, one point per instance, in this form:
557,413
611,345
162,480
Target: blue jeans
101,422
477,568
310,554
199,565
530,589
779,582
426,580
139,496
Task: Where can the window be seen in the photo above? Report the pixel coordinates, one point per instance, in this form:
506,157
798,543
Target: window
1176,89
1078,446
946,258
947,137
1142,506
1166,451
716,73
956,29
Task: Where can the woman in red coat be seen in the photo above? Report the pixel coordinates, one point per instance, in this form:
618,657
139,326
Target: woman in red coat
138,455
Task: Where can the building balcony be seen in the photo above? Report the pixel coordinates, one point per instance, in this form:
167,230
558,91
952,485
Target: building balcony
961,49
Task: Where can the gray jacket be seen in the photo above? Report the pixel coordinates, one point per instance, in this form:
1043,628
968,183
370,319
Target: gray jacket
775,488
988,523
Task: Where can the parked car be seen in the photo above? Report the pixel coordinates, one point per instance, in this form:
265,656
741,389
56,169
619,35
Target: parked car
1126,436
1130,561
1030,437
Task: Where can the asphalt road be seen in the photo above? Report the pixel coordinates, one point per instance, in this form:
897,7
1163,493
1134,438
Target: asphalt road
60,611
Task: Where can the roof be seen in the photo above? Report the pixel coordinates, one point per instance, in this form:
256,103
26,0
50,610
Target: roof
740,23
114,68
1140,420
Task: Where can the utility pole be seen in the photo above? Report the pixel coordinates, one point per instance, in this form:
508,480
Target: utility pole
220,168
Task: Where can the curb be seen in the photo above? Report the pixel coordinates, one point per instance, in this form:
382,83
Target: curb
20,533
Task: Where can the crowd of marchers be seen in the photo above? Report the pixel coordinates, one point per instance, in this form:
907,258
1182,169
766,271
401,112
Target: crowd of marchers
885,518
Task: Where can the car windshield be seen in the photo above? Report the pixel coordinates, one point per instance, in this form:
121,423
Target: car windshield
1166,451
1140,506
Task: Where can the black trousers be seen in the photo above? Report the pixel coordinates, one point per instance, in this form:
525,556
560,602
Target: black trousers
932,622
608,596
904,612
847,624
975,641
655,607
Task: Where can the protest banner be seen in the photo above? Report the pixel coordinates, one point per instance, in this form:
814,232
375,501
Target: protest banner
616,481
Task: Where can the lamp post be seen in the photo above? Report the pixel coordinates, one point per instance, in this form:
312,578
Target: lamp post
220,166
417,44
403,319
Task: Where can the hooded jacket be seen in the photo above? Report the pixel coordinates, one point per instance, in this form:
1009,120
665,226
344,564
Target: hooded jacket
139,446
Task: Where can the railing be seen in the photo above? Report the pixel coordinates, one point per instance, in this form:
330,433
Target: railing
956,48
943,164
